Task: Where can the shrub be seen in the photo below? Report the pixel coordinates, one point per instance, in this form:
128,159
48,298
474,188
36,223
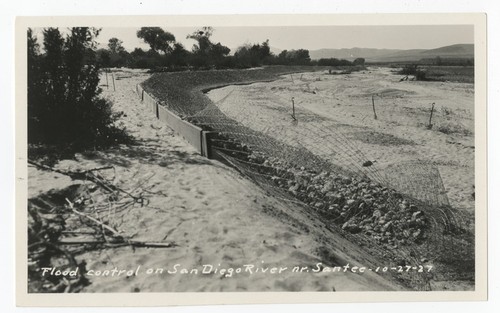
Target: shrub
452,128
413,70
64,103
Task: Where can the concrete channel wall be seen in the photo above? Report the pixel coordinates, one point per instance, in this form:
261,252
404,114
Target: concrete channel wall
194,135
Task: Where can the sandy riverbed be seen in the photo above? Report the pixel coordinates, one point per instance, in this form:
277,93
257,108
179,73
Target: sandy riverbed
335,113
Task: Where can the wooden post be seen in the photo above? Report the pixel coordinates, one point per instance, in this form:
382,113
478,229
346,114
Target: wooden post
373,105
293,109
430,117
113,77
107,83
293,82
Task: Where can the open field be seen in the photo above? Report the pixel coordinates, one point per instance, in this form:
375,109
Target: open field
461,74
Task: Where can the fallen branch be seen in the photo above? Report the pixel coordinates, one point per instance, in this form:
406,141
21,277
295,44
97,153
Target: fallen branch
104,226
119,240
82,175
89,175
114,244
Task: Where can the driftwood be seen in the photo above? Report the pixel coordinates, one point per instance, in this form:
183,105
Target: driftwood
99,223
89,175
118,243
50,240
118,239
81,175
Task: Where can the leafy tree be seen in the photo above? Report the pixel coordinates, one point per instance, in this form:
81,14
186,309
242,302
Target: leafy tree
218,50
157,38
253,55
115,45
294,57
103,58
179,55
202,36
137,53
35,84
205,52
64,106
359,61
333,62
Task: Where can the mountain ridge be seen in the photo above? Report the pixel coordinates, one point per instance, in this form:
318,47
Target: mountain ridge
395,55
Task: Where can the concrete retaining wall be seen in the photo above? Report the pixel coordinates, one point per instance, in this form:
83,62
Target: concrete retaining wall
194,135
191,133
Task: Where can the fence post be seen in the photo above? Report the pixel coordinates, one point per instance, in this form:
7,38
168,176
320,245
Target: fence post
430,117
373,105
107,83
293,109
113,77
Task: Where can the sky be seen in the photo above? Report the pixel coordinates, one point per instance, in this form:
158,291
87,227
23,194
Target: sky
316,37
313,37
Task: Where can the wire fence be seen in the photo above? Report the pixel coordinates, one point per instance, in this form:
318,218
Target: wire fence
400,215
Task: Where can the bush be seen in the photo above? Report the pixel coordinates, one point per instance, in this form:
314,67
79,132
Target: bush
413,70
453,128
334,62
64,103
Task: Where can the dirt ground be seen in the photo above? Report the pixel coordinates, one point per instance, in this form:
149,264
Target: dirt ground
212,214
334,106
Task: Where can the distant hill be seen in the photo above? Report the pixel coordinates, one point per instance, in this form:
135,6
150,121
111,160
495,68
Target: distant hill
350,54
463,50
394,55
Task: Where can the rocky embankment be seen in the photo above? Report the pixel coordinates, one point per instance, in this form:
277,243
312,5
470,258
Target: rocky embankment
357,205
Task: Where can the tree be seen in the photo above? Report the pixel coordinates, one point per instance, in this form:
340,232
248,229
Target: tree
33,47
103,57
157,38
205,52
64,102
294,57
115,45
202,36
144,59
359,61
35,84
179,55
253,55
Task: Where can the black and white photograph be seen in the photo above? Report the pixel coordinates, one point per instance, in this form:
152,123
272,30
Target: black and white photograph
199,156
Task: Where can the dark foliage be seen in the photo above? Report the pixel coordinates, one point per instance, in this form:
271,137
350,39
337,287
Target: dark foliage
207,54
157,38
413,69
253,55
294,57
64,106
204,55
334,62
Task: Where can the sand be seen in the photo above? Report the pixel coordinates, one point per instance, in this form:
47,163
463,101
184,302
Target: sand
212,215
340,106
